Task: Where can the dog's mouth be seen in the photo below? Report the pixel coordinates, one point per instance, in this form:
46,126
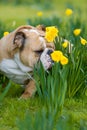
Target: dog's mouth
46,59
39,52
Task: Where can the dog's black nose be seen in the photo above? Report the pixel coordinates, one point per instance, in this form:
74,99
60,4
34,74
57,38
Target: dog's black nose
49,51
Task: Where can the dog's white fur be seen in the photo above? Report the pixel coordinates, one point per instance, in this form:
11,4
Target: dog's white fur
15,70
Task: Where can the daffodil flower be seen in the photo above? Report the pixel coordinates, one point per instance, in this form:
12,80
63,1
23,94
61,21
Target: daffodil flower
64,60
65,44
6,33
83,41
77,32
58,56
39,14
51,33
68,12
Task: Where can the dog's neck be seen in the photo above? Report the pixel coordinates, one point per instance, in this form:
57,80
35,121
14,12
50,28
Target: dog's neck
20,64
15,70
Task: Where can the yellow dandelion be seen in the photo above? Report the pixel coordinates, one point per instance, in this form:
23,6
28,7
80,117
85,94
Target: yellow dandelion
83,41
6,33
51,33
68,12
77,32
65,44
64,60
56,56
39,14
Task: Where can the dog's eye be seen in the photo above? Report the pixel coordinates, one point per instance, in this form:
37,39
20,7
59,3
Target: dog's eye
39,51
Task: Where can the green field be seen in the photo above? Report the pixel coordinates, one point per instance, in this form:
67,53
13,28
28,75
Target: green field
10,12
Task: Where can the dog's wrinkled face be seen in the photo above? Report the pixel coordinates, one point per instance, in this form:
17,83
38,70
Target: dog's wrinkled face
32,44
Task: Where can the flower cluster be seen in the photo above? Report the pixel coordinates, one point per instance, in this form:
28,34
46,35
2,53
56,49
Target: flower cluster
76,31
51,33
58,56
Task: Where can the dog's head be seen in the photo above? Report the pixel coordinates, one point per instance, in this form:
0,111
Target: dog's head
30,43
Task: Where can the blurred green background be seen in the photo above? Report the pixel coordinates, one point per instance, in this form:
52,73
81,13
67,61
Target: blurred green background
16,12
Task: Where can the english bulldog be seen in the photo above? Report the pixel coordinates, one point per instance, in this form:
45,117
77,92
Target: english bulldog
20,50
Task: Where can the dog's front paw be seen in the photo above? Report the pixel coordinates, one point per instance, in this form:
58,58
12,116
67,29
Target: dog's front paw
25,95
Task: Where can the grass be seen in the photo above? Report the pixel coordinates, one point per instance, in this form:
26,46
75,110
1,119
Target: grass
12,109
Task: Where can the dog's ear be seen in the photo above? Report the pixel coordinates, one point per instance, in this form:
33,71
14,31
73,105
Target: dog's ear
19,39
41,27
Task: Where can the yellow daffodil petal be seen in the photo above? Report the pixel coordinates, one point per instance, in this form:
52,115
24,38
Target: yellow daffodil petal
51,33
52,29
77,32
49,37
39,14
56,56
68,12
64,60
65,44
6,33
83,41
